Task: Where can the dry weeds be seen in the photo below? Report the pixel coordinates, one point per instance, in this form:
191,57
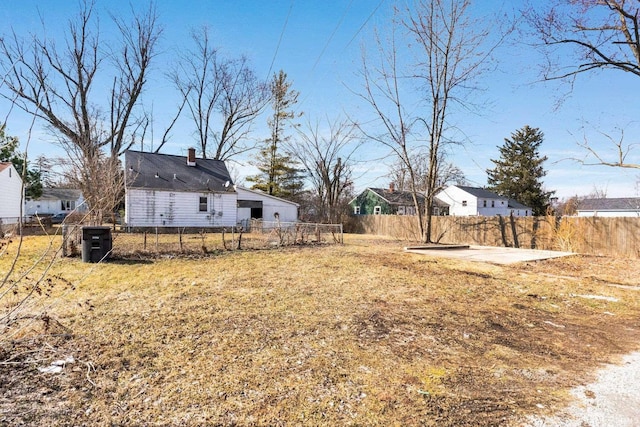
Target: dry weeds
359,334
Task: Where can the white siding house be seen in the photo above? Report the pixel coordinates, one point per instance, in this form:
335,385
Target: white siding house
176,191
255,204
159,208
614,207
56,201
10,193
474,201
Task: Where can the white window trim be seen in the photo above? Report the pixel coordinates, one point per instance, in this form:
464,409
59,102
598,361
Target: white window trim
377,210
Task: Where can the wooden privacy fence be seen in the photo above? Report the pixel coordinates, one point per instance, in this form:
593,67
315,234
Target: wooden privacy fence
618,237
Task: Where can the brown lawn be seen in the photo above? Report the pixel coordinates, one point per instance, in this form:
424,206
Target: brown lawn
359,334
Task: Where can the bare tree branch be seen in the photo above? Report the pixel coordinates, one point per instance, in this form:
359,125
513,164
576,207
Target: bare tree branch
215,88
60,86
327,157
450,52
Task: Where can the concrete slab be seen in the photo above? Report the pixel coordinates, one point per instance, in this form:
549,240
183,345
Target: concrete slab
490,254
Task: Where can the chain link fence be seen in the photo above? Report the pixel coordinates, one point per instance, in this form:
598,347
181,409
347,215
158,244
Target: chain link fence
169,241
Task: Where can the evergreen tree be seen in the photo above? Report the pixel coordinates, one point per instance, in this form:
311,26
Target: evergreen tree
279,174
518,173
8,153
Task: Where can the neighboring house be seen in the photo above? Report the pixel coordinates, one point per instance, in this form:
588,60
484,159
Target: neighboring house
378,201
475,201
56,201
10,193
178,191
615,207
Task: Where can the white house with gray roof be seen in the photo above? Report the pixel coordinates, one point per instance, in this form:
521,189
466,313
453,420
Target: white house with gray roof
56,201
163,190
614,207
475,201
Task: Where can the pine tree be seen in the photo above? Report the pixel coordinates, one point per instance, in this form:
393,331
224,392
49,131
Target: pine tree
519,171
9,153
279,174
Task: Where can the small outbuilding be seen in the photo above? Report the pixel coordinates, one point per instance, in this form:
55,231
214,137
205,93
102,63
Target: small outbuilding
10,194
254,204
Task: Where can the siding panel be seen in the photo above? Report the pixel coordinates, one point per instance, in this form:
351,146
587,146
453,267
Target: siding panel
10,195
155,208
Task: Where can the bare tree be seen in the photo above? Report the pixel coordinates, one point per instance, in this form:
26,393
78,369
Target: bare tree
384,94
223,97
61,86
327,159
450,54
585,36
448,173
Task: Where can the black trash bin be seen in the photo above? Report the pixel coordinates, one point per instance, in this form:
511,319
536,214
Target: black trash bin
96,243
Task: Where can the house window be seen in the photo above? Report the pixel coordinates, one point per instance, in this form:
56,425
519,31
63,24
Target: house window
493,203
400,210
377,210
356,210
67,205
484,203
202,204
464,203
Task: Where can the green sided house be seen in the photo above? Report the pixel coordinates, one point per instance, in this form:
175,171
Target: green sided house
379,201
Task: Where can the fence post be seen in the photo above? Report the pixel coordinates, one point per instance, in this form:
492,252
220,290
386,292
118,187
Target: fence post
65,236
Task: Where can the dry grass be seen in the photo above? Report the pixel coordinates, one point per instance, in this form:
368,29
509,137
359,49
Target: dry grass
358,334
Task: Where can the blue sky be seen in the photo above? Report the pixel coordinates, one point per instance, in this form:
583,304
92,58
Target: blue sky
318,44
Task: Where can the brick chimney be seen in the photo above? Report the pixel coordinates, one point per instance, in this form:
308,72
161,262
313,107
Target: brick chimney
392,187
191,157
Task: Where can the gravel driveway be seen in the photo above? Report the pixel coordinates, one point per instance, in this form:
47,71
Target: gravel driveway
613,400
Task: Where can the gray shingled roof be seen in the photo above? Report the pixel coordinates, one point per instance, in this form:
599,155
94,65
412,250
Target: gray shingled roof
614,204
516,205
60,194
169,172
480,193
403,198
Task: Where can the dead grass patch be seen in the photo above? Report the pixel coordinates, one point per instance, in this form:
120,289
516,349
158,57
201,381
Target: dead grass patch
358,334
